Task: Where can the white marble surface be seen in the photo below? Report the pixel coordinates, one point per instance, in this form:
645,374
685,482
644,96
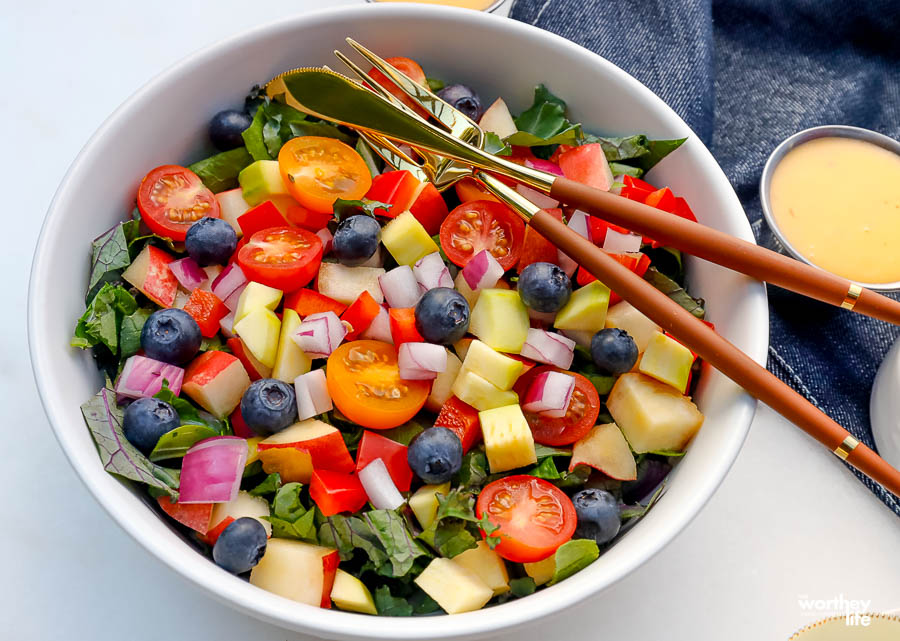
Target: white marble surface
789,523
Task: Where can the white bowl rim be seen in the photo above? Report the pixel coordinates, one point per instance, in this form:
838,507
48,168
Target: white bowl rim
336,624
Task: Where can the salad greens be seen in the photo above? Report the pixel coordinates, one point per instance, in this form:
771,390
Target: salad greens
220,172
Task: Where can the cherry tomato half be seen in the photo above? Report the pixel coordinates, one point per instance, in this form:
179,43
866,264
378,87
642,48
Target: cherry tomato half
482,224
580,416
364,382
172,198
285,258
534,517
410,68
317,171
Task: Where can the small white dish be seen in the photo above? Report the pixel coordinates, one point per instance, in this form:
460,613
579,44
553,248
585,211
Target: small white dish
884,407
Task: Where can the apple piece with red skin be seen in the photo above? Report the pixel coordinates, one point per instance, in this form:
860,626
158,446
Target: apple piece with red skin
216,381
604,448
150,273
239,425
299,571
196,516
255,369
323,443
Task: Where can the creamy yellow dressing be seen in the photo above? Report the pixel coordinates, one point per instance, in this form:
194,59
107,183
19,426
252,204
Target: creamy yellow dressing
837,202
468,4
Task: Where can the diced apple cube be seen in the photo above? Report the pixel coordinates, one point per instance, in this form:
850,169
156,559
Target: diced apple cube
244,504
481,394
216,381
424,503
259,330
261,181
492,366
150,273
455,588
296,570
487,565
500,319
467,292
541,571
351,594
407,240
442,386
667,360
624,316
586,309
256,296
604,448
290,360
498,120
322,444
653,416
508,442
345,284
231,206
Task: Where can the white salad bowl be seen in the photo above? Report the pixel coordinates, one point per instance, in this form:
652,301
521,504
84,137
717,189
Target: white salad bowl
165,122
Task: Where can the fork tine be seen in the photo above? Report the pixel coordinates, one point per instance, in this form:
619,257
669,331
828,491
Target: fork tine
363,77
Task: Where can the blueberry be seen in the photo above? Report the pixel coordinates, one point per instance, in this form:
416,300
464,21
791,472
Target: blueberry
598,515
614,351
435,455
356,239
171,336
210,241
226,127
544,287
146,419
269,406
240,546
463,98
442,316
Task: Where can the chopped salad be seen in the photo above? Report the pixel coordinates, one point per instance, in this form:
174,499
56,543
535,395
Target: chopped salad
358,391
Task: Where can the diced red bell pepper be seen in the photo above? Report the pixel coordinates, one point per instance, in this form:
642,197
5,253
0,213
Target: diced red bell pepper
637,183
307,218
335,492
239,425
255,369
212,535
398,188
429,208
536,248
360,315
462,419
309,301
194,515
329,567
373,446
468,190
636,189
597,228
206,308
662,199
637,264
403,326
263,216
683,209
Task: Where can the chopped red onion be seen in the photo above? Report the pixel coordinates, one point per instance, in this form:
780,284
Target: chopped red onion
544,165
327,238
540,199
421,361
229,281
482,271
567,264
400,287
548,347
212,469
312,394
379,486
619,243
227,325
212,272
232,301
188,273
320,334
578,222
549,394
142,376
430,271
380,329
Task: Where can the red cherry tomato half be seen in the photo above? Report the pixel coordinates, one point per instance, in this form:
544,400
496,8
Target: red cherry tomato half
584,408
534,517
172,198
410,68
482,224
285,258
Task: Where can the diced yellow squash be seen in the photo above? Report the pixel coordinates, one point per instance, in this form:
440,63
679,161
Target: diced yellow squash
667,360
487,565
256,296
624,316
500,319
406,239
586,309
653,416
424,502
260,330
541,571
604,448
350,594
455,588
492,366
441,387
508,442
481,394
261,181
290,360
252,451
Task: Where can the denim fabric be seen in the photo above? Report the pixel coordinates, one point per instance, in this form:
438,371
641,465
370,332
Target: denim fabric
746,74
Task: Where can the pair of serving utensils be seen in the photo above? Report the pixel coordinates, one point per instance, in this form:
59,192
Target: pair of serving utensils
449,145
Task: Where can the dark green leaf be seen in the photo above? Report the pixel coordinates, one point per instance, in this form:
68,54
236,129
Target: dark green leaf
214,344
175,443
130,332
545,450
253,137
287,504
349,533
188,413
545,123
457,504
602,383
624,148
119,457
290,519
573,556
109,256
404,434
346,208
220,172
269,485
522,586
494,145
659,149
372,161
399,544
452,538
253,469
667,261
322,129
620,169
303,529
271,134
545,469
423,604
435,84
473,472
676,292
390,606
101,320
575,478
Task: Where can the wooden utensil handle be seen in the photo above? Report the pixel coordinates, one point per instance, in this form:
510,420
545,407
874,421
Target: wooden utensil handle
714,349
728,251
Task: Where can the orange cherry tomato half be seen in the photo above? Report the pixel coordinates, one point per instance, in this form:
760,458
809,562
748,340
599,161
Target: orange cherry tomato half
534,517
285,258
408,67
172,198
581,415
364,382
482,224
317,171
